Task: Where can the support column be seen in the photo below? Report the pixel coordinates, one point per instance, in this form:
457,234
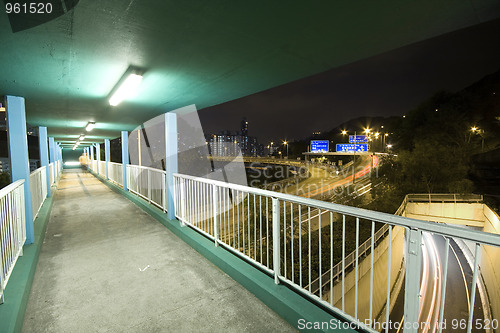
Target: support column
412,277
171,165
18,153
92,158
98,157
44,154
52,155
124,158
106,156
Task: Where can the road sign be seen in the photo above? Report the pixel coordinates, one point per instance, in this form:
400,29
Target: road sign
351,147
319,146
357,138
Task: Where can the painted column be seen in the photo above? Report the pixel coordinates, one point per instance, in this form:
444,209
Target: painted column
171,165
52,155
44,154
18,152
124,158
106,156
92,157
59,156
98,157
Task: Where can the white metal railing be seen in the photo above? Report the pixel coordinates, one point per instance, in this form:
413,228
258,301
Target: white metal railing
102,168
115,173
444,197
51,172
148,183
38,188
297,240
12,230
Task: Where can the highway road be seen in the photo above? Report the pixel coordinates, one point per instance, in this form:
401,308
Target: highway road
458,288
323,183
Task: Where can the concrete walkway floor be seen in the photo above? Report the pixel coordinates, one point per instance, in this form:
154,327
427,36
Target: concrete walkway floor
107,266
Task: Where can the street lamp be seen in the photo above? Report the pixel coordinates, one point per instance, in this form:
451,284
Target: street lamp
480,132
286,144
344,132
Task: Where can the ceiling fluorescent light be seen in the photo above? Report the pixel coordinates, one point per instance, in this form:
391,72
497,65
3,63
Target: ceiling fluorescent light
90,126
125,89
82,136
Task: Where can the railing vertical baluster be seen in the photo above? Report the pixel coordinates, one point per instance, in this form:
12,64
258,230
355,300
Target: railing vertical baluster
292,263
276,240
238,214
319,254
388,296
234,226
284,238
477,257
443,284
309,244
343,263
267,232
149,185
216,220
260,227
243,221
331,258
254,228
372,247
300,246
356,271
248,226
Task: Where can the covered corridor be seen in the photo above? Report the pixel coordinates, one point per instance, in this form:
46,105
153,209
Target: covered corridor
107,266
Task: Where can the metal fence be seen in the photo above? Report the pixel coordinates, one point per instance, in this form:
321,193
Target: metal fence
444,197
148,183
52,174
297,240
115,173
102,168
12,230
38,188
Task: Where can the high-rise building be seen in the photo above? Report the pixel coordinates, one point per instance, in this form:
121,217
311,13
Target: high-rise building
226,144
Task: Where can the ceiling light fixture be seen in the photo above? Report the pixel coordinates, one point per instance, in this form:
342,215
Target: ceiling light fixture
82,136
90,126
126,86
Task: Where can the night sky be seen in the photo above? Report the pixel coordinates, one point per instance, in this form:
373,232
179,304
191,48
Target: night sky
387,84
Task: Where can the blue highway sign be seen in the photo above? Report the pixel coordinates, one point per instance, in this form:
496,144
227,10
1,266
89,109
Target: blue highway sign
357,138
319,146
351,147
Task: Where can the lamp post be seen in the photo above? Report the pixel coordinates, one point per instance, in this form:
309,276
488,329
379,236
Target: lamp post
480,132
286,144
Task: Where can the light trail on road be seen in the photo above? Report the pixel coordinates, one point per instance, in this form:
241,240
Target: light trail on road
346,180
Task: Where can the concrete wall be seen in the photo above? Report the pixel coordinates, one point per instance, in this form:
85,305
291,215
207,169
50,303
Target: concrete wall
490,262
379,279
470,214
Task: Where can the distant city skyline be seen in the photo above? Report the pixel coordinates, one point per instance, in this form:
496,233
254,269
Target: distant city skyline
388,84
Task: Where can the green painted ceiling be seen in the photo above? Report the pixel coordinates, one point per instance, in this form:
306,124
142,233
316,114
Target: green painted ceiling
200,52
